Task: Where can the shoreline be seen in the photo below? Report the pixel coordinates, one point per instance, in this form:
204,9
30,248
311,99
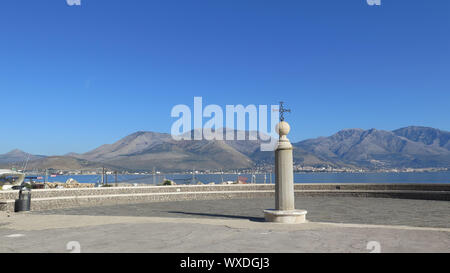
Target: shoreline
244,172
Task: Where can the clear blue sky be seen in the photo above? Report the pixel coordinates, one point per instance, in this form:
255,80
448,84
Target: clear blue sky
73,78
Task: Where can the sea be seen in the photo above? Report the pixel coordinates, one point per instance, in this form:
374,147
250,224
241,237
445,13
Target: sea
325,177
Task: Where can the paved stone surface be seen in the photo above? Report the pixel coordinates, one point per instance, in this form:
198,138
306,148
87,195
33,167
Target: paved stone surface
37,233
233,226
379,211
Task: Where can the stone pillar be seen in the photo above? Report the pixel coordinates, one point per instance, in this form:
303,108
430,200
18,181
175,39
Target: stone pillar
285,211
284,173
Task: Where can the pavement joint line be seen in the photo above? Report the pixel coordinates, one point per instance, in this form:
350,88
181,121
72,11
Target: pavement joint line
43,222
400,227
15,235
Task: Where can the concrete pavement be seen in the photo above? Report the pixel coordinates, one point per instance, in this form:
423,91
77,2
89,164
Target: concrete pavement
210,226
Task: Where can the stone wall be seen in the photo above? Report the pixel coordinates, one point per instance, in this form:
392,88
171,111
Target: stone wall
46,193
66,198
374,186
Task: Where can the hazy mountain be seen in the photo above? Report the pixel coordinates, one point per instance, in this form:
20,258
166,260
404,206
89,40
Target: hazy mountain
63,163
145,150
377,148
301,157
406,147
130,145
426,135
17,155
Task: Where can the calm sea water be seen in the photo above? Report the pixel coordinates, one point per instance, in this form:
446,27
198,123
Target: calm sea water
431,177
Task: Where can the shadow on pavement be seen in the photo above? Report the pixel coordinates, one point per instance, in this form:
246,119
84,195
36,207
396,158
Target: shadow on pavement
253,219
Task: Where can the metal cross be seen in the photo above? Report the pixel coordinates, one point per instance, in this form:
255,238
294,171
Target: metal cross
283,110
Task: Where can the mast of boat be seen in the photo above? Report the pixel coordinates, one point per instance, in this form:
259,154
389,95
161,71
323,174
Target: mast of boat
103,176
106,177
46,177
26,164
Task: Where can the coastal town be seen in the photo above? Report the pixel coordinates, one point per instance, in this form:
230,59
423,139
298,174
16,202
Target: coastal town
257,170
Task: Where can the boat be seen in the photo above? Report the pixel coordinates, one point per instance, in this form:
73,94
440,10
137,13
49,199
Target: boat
10,179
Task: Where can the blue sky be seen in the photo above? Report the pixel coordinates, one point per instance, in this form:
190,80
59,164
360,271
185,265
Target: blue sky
75,77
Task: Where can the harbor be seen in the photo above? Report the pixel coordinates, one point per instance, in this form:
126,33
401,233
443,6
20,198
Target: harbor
228,178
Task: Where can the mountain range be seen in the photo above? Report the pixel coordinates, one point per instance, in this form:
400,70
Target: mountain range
17,156
413,147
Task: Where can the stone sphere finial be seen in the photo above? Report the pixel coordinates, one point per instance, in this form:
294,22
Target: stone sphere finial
283,128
